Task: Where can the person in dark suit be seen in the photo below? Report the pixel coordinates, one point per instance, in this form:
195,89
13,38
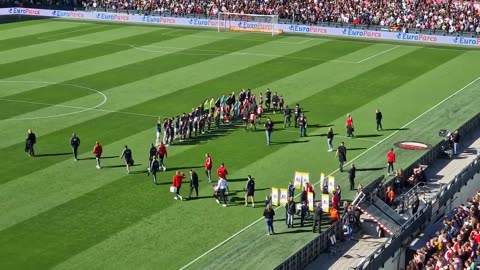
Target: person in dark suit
378,118
351,176
152,152
154,167
75,143
317,218
30,141
341,155
127,155
193,183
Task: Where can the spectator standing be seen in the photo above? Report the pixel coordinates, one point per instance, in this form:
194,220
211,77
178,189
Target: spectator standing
415,203
75,143
335,200
128,156
456,142
153,169
177,183
30,141
290,208
287,113
162,154
193,183
338,191
222,171
317,217
389,196
208,167
250,189
341,155
351,176
391,159
349,126
330,139
222,190
97,152
268,130
378,118
268,214
310,188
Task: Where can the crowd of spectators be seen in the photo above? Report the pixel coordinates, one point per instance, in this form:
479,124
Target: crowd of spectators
447,15
456,246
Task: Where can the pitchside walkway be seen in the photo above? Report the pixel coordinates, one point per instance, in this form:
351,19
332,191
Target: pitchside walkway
351,253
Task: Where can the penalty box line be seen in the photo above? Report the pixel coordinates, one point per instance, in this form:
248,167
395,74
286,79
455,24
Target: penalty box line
355,158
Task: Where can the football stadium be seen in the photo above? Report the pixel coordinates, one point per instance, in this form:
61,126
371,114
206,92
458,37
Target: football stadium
240,134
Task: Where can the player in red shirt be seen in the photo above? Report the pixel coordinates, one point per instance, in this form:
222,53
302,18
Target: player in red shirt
97,151
208,167
162,153
177,183
222,172
391,158
349,126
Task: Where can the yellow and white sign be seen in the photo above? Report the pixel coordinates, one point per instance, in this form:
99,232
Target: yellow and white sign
283,196
326,203
275,194
331,184
310,200
300,179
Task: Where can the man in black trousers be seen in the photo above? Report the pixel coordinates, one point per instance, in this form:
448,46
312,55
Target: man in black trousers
317,218
351,176
30,141
75,143
193,183
378,118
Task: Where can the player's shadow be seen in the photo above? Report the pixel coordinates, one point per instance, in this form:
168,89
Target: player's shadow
356,148
370,169
183,168
368,135
288,142
119,166
394,129
54,154
107,157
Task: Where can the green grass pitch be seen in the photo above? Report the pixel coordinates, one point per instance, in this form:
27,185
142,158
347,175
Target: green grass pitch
109,83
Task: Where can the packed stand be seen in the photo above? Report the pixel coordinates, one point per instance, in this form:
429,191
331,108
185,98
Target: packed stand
456,246
450,16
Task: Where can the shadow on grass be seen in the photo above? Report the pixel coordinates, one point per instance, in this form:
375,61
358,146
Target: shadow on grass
54,154
368,136
119,166
290,142
295,230
107,157
183,168
356,148
394,129
371,169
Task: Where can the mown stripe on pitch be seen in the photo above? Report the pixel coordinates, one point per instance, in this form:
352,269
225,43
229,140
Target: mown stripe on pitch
68,56
65,33
78,219
53,94
110,79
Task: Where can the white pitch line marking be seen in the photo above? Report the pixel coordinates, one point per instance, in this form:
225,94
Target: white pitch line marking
72,107
355,158
68,32
378,54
